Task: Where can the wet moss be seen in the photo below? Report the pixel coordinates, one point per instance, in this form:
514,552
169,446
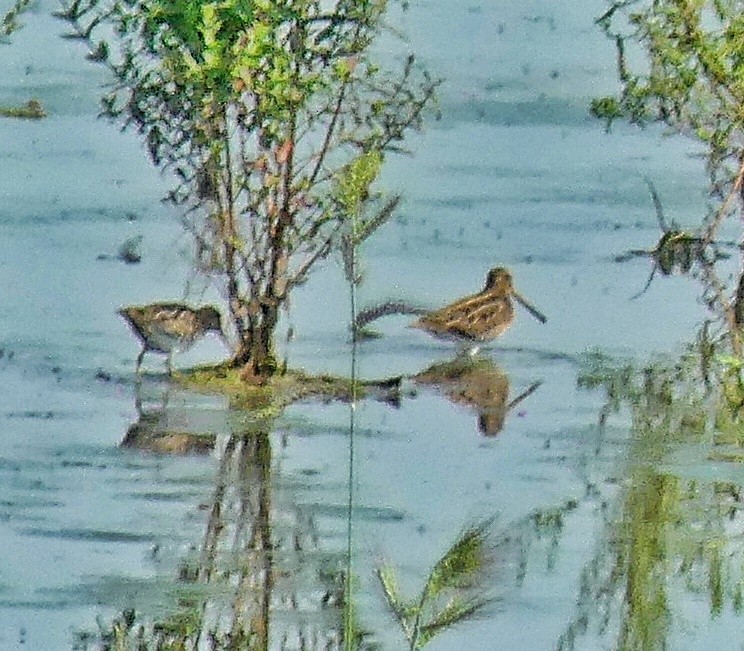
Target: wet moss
261,393
31,110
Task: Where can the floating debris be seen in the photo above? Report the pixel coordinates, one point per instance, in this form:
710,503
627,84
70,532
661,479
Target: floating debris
677,250
31,110
129,252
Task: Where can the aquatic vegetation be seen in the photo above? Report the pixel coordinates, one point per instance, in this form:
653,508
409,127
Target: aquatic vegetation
454,590
259,578
459,586
271,395
677,520
10,22
31,110
679,64
178,633
265,563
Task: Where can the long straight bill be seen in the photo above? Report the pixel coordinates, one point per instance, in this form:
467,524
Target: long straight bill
530,307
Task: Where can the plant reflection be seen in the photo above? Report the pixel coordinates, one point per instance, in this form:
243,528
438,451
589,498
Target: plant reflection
259,580
677,528
479,383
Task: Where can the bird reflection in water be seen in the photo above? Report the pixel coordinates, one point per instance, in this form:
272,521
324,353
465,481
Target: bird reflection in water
478,383
164,429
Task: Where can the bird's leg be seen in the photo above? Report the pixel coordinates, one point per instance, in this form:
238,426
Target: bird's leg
169,364
140,357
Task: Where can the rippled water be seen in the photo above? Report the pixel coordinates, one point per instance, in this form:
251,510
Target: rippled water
516,173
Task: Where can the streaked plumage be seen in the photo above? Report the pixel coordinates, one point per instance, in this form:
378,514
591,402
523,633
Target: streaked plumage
480,317
166,328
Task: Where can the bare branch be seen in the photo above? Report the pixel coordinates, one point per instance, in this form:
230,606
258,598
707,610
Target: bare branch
711,230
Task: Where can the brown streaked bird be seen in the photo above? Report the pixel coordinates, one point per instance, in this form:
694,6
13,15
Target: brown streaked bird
166,328
481,317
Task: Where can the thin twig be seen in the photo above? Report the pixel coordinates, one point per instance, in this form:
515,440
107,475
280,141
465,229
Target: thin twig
712,229
729,313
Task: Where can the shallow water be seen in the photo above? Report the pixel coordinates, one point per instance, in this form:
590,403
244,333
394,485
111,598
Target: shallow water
514,174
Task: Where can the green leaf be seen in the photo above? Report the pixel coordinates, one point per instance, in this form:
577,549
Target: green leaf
455,612
404,611
354,180
389,583
227,82
463,563
607,108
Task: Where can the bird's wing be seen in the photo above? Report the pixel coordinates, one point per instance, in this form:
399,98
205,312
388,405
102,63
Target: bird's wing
475,316
176,321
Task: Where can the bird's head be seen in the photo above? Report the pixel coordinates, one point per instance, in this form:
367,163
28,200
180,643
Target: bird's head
500,279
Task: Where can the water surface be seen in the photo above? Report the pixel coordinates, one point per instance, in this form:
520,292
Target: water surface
515,173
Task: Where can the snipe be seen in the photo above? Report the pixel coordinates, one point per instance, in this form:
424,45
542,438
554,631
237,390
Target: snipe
166,328
479,318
